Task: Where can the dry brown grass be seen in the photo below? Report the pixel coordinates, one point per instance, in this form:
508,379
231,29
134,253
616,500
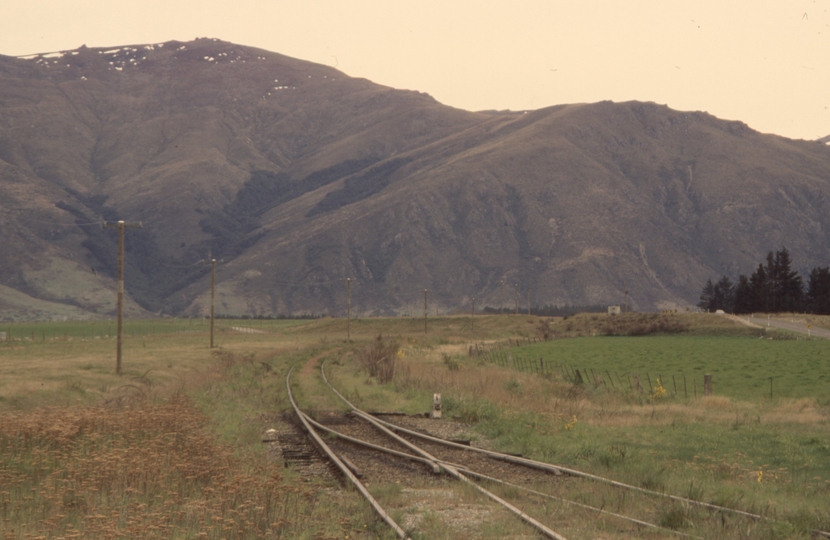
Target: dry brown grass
641,324
151,472
379,358
78,372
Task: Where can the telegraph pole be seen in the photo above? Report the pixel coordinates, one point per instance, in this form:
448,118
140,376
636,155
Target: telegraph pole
425,310
528,301
120,226
349,309
212,263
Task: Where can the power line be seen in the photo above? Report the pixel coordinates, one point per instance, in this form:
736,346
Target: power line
180,267
21,218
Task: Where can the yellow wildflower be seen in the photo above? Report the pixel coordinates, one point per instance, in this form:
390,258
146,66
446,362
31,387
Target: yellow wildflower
659,390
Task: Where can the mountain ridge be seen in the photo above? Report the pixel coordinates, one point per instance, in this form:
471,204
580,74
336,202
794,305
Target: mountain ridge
300,176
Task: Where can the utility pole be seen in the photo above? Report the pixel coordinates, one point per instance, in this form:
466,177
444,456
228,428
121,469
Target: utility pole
120,226
212,263
425,310
528,301
349,309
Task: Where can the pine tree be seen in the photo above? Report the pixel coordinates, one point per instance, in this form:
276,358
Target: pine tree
723,296
790,288
706,295
758,290
743,296
818,291
772,285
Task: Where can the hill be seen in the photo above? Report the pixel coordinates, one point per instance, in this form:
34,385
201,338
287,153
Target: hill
298,176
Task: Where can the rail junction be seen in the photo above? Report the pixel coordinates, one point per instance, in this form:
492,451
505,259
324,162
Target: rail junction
364,448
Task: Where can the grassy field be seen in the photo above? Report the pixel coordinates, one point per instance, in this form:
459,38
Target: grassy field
741,366
171,448
91,330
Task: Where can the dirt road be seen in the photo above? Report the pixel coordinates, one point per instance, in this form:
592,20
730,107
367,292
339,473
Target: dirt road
791,325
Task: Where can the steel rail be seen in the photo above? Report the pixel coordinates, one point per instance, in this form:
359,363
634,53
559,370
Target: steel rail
463,469
340,465
554,468
496,455
574,503
367,444
452,471
574,472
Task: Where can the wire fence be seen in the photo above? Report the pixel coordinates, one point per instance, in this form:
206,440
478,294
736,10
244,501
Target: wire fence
655,385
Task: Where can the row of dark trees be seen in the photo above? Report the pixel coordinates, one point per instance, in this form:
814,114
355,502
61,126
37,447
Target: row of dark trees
773,287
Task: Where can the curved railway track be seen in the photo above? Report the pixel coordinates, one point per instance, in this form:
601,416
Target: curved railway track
466,464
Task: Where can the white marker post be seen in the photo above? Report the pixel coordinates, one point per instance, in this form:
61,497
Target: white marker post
436,405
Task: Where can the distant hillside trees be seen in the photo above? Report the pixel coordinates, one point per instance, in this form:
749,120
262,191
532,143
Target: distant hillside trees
773,287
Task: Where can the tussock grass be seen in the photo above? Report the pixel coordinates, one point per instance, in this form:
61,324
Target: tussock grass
177,467
149,471
379,358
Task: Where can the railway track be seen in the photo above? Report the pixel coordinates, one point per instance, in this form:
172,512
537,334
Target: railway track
356,442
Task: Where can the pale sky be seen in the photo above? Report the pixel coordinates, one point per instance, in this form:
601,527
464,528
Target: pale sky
763,62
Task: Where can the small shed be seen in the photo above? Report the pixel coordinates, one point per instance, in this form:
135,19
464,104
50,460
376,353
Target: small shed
614,310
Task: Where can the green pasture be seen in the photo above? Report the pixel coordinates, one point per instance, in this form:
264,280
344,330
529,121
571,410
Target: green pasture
741,366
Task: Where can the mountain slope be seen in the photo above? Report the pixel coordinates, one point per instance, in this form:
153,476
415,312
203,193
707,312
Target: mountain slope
299,176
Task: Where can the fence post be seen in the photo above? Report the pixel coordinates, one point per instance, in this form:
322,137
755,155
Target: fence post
639,385
707,384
